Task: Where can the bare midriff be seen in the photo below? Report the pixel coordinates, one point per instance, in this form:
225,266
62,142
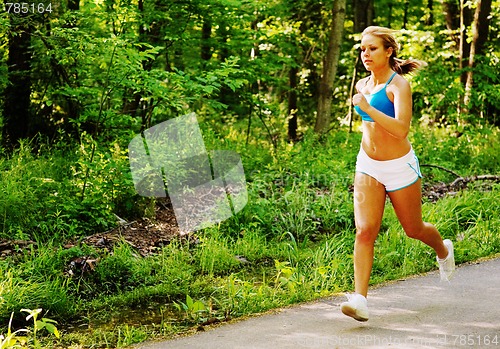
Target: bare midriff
381,145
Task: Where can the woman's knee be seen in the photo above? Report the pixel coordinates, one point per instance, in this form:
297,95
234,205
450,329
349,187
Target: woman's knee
367,233
415,231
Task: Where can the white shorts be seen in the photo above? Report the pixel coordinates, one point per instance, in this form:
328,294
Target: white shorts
394,174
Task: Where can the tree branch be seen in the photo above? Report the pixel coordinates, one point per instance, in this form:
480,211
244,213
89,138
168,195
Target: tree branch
442,168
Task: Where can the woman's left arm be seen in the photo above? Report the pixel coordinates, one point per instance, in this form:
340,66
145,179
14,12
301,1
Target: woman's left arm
399,126
403,108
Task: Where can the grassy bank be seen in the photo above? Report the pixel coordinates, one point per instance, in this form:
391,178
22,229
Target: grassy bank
293,241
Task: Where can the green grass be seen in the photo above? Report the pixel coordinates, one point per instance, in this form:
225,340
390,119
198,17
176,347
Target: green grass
293,241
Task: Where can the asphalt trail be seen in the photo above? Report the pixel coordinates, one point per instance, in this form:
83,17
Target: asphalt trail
420,312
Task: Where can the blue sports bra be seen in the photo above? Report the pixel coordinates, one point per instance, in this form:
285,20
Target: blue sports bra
379,101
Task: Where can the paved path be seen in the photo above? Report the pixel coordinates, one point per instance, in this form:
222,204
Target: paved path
421,312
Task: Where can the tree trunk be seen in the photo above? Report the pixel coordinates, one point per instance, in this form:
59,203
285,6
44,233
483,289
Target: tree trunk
330,64
224,35
292,104
405,15
18,117
480,28
482,25
137,107
206,47
131,107
458,18
363,14
465,22
452,16
363,17
389,17
430,19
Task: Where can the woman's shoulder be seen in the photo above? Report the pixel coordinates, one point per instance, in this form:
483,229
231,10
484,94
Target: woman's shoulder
400,83
399,78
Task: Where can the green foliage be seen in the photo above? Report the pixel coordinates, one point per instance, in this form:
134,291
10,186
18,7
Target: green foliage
72,191
14,340
193,310
485,97
292,242
42,324
114,273
107,68
466,151
215,256
437,88
30,179
104,73
53,294
303,191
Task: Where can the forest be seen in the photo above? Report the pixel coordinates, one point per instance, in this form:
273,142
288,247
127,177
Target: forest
88,262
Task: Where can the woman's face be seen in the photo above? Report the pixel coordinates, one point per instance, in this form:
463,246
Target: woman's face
373,53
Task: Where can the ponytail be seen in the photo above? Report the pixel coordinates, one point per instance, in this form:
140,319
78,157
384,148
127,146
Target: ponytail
403,67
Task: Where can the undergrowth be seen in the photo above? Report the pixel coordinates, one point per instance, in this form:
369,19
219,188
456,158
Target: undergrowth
293,241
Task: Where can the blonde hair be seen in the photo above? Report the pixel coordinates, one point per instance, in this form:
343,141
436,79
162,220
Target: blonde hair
400,66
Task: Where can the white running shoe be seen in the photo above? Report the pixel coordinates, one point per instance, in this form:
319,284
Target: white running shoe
447,265
355,307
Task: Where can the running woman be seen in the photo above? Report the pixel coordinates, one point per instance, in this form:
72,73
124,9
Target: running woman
386,163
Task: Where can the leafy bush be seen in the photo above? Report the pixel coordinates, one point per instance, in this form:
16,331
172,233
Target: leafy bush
72,192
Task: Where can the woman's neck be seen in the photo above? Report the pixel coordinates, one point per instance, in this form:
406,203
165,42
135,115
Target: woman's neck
381,76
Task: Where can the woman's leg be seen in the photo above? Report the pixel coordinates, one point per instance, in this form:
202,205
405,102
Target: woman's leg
369,202
407,204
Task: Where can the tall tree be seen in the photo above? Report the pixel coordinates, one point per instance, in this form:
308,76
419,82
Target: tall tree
206,33
292,104
17,96
480,29
307,13
458,17
465,22
430,19
363,14
363,17
482,19
330,64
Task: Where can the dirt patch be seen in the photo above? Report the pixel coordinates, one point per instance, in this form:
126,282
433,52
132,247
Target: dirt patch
145,235
435,191
9,247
